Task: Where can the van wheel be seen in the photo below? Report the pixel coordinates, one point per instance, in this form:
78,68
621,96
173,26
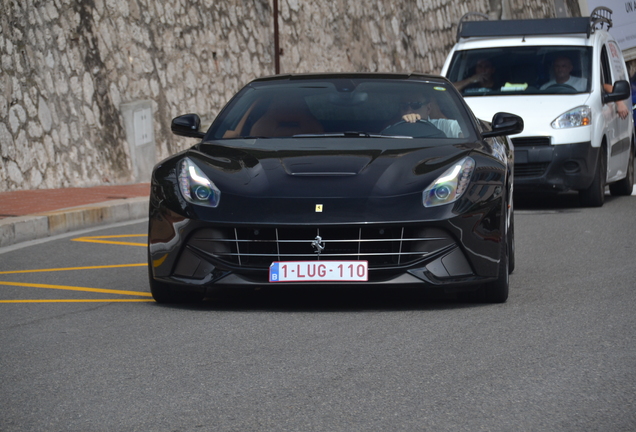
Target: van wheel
624,187
594,196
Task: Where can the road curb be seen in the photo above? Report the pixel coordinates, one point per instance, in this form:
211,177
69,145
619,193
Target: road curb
24,228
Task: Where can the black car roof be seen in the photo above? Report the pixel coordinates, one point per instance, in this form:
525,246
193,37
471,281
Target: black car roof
352,75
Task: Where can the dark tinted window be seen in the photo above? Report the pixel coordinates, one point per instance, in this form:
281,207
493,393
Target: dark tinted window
522,70
606,74
326,107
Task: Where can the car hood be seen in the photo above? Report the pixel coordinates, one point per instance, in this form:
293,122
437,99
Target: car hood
326,168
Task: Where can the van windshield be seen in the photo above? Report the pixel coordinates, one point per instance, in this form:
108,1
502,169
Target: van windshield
522,70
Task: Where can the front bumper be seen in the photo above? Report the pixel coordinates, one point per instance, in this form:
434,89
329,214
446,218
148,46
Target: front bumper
541,166
459,252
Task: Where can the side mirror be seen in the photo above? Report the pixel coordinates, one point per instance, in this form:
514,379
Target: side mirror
187,125
621,91
504,124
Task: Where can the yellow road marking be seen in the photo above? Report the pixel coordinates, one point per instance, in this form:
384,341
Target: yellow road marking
95,239
73,268
100,239
116,236
79,301
72,288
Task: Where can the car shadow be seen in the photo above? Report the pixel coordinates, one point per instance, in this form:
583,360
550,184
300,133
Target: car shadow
566,202
328,299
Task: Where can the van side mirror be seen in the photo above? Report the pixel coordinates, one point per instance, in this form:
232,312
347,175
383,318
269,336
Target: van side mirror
187,125
621,91
504,124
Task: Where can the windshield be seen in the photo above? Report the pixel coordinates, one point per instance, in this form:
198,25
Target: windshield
343,107
521,70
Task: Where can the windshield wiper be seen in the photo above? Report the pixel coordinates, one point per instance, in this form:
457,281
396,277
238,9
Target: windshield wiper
359,134
348,134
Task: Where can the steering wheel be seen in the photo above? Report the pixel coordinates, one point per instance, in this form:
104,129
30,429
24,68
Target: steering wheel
565,87
419,129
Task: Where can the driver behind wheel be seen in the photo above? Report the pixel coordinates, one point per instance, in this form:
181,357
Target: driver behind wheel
418,106
561,69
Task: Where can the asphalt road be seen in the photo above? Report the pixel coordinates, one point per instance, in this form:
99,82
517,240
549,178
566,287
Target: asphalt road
83,347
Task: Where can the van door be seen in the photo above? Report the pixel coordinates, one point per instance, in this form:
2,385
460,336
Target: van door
618,137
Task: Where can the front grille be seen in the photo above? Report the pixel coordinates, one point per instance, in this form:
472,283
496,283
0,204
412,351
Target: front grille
257,247
531,141
530,169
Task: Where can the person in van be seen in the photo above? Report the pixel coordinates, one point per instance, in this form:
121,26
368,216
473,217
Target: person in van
484,77
562,69
621,108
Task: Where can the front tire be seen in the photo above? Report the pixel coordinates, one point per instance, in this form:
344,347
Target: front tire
168,293
625,187
511,245
497,291
594,196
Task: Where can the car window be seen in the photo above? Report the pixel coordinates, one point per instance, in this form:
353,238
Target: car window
617,61
305,108
521,70
606,74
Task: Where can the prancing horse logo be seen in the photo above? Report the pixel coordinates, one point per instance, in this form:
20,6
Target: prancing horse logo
318,245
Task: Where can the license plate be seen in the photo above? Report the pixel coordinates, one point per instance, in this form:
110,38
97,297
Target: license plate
319,271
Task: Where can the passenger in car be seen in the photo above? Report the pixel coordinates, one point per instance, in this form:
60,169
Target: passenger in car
285,117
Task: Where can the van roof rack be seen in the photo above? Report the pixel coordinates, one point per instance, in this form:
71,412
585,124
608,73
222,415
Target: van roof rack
468,28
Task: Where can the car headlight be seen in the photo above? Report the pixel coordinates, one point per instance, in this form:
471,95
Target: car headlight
579,116
451,185
196,187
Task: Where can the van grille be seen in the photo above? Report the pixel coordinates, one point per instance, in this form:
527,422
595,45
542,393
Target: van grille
531,141
530,169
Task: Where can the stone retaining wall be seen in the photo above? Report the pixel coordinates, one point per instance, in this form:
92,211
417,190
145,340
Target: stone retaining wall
68,66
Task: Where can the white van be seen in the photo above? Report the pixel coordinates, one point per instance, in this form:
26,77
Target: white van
567,79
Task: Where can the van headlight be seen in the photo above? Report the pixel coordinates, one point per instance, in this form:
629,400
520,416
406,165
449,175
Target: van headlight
448,187
195,186
579,116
